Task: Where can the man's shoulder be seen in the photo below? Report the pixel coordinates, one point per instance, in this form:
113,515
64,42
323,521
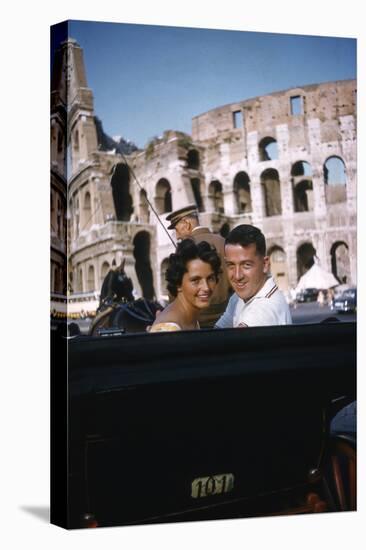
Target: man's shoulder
277,304
204,233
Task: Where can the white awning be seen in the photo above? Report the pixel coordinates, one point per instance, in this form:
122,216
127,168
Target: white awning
317,277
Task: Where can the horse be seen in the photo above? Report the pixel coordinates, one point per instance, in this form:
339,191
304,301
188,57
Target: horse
116,287
133,316
118,310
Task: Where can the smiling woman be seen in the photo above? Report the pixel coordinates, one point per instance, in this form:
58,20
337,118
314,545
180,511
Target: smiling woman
192,276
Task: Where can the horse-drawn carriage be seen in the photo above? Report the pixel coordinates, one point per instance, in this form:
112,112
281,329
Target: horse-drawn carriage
201,425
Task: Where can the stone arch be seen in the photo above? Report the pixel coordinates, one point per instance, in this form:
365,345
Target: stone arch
104,270
340,261
120,183
193,159
144,207
271,188
278,263
334,171
225,230
70,285
80,279
76,140
77,217
91,279
268,149
53,212
143,269
60,141
304,258
54,132
163,283
70,217
87,210
197,193
54,278
59,279
215,196
302,186
163,196
243,199
59,219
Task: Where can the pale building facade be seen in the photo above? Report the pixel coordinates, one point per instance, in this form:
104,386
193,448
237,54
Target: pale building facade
285,162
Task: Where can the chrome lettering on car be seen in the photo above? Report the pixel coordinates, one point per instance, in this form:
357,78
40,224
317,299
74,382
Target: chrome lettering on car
212,485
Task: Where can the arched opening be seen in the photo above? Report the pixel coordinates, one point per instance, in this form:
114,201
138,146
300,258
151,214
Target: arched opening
242,195
144,207
341,266
163,196
163,282
268,149
77,218
54,142
193,159
303,196
305,258
215,196
54,278
104,270
122,199
278,265
80,280
196,188
76,140
335,180
143,269
70,286
91,280
87,210
301,169
225,230
58,279
302,186
60,140
271,189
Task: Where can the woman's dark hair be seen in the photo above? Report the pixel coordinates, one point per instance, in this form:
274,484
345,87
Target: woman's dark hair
186,251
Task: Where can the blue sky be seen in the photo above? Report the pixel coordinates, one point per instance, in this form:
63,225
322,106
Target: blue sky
147,79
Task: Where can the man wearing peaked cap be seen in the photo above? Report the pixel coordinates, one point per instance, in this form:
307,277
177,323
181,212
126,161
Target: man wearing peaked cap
177,215
185,222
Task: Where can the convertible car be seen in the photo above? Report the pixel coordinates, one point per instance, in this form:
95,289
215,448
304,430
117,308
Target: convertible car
184,426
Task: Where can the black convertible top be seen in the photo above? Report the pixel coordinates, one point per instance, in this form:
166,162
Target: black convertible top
150,419
321,350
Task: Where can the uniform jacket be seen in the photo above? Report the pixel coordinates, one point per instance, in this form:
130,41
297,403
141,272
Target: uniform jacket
209,316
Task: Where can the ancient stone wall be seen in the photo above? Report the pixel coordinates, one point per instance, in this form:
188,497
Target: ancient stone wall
285,162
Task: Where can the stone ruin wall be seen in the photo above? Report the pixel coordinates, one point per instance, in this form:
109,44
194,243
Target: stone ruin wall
326,128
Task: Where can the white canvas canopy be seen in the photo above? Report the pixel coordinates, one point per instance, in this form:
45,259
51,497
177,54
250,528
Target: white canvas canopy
317,277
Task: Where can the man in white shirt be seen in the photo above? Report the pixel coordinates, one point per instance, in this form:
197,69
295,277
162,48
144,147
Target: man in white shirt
257,300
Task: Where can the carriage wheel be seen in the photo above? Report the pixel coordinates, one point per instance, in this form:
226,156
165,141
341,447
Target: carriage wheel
340,474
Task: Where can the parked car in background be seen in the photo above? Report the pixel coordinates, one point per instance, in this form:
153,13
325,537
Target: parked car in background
346,302
307,295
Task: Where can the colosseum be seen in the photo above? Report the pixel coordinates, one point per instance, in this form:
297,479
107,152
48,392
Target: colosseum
285,162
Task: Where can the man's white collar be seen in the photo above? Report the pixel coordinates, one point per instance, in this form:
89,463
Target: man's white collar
266,288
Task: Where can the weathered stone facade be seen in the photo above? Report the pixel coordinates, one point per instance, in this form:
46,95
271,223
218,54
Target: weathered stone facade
285,162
